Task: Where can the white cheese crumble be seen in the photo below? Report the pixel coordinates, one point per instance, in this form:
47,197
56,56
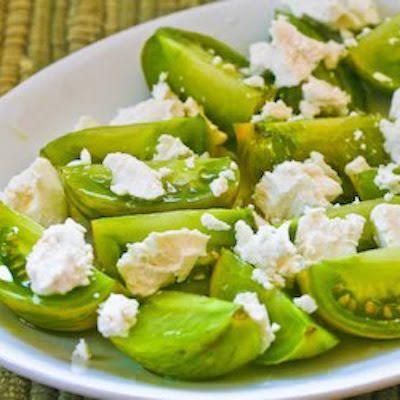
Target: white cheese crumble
217,60
357,166
85,158
319,238
291,56
340,14
293,186
220,185
5,274
395,106
391,134
258,275
213,223
358,134
161,259
386,221
190,162
270,249
387,179
258,312
38,193
320,97
275,110
306,303
86,122
80,356
60,260
379,76
255,81
133,177
170,148
117,315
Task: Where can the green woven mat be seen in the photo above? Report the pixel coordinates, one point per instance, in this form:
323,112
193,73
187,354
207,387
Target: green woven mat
33,34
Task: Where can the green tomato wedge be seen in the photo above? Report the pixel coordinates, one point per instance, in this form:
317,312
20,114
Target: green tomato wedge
138,140
191,337
358,294
263,146
299,336
111,235
75,311
377,56
188,57
88,188
365,186
342,76
363,208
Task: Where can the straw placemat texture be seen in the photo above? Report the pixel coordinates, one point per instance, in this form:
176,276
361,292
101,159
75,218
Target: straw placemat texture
35,33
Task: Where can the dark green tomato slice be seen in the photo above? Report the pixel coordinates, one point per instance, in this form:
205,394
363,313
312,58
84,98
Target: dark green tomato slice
358,294
377,56
365,185
342,76
299,336
111,235
263,146
188,59
73,312
88,189
191,337
363,208
139,140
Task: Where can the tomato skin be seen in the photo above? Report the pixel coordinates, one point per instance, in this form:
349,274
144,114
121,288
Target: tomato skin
358,294
377,57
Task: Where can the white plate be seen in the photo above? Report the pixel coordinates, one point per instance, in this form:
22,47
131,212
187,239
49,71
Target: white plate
97,81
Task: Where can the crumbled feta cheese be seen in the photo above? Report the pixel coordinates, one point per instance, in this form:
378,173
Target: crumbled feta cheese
258,275
86,122
61,260
190,162
220,185
133,177
388,178
293,186
366,31
395,106
217,60
391,133
258,312
85,158
117,315
291,56
38,193
270,249
254,81
340,14
386,221
164,172
334,53
229,67
306,303
228,174
320,97
170,147
5,274
319,237
379,76
80,356
358,134
276,110
355,167
161,259
213,223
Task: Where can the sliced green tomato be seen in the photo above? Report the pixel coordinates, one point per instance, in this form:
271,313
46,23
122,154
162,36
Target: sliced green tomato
188,57
111,235
299,336
342,76
264,145
363,208
191,337
358,294
377,56
88,188
75,311
139,140
365,185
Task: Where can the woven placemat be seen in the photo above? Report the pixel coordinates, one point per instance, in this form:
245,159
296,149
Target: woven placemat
33,34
